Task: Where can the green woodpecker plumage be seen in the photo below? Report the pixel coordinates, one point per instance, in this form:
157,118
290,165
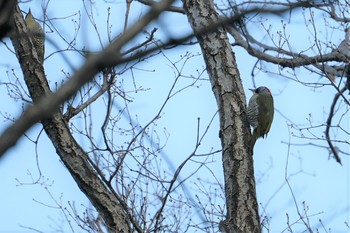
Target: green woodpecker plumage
37,35
260,113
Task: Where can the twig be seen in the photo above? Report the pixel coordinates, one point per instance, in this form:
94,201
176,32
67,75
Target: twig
291,190
329,123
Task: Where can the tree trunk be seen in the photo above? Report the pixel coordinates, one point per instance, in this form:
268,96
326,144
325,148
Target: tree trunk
72,155
242,207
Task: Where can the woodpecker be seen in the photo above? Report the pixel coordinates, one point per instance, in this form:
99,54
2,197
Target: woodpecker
37,34
260,113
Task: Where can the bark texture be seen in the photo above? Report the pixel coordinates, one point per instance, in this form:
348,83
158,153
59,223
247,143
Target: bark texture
72,155
242,207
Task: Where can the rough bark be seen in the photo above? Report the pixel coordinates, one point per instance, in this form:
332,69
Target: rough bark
72,155
242,207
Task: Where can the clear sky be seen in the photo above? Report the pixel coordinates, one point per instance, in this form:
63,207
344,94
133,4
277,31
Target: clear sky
320,186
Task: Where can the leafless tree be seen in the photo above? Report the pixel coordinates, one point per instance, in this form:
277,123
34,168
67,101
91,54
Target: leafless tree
120,171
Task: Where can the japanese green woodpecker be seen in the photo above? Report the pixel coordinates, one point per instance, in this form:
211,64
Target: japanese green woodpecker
260,113
37,35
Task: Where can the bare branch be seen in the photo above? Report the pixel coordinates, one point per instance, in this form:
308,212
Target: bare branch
329,124
295,60
108,57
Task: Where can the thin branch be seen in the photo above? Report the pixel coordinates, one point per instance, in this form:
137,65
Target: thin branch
127,12
71,112
286,178
329,123
109,108
176,176
172,182
144,128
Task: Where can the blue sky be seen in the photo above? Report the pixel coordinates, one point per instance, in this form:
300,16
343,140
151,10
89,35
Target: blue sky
319,182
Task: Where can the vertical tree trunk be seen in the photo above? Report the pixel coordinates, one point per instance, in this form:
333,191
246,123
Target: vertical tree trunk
242,207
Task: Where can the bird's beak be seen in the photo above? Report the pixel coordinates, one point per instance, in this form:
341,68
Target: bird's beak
253,90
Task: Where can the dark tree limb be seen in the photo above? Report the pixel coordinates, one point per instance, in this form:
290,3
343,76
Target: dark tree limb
329,124
6,10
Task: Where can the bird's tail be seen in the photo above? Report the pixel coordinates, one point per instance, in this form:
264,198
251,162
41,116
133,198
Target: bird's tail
253,139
